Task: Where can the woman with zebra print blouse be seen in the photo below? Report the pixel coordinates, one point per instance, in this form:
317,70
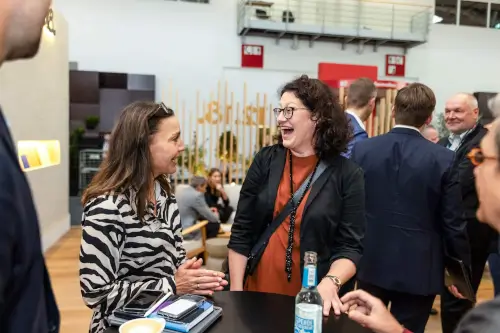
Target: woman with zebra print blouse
131,226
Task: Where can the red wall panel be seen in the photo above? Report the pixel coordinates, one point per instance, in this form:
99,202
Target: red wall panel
334,72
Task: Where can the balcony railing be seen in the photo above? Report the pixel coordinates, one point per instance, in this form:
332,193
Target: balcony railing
356,18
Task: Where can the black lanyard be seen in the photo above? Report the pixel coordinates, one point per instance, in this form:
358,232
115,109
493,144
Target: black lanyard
288,256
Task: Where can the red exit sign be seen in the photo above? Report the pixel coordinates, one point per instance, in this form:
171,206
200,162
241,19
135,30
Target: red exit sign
252,56
395,65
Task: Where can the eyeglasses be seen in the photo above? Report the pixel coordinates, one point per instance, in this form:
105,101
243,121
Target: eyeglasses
287,112
477,157
163,108
162,111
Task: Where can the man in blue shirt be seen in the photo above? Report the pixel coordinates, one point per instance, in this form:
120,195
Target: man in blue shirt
27,303
360,103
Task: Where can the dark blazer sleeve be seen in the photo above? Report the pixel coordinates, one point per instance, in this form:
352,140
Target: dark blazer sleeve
454,225
443,142
348,152
351,230
241,239
358,136
7,232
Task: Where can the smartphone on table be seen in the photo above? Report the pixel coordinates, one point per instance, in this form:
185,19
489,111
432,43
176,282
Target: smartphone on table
182,306
143,301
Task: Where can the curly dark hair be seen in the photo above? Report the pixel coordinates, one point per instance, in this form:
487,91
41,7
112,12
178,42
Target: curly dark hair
333,132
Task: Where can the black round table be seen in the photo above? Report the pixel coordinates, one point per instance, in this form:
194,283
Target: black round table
251,312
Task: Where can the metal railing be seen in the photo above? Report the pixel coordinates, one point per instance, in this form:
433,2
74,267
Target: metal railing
356,16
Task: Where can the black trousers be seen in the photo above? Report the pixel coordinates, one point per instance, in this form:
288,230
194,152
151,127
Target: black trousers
411,311
224,213
212,229
452,308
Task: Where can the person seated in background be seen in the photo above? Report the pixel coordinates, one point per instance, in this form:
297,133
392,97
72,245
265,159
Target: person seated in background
327,218
193,208
216,197
131,228
370,312
360,102
430,133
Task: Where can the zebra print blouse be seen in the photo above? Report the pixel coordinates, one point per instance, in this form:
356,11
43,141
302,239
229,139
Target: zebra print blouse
120,256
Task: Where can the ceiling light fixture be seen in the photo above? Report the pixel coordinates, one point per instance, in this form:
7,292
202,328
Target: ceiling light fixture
436,19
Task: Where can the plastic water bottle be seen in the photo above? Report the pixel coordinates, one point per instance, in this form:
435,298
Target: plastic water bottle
308,303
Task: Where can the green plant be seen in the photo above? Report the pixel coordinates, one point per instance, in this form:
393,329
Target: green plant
92,122
225,149
193,156
74,142
440,125
189,153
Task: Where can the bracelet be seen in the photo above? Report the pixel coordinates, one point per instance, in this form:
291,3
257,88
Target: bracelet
336,281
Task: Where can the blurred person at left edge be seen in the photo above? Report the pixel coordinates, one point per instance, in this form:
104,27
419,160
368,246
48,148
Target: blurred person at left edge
27,304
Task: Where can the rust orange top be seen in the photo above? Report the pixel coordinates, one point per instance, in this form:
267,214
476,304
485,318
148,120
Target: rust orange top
269,275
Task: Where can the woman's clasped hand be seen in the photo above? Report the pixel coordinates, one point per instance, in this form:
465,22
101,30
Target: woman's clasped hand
192,279
331,301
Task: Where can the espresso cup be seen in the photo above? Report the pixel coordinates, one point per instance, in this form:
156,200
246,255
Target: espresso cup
143,325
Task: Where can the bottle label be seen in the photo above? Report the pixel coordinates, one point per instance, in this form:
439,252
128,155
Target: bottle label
308,318
304,325
309,278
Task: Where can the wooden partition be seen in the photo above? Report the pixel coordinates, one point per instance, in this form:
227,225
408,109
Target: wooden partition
224,128
221,131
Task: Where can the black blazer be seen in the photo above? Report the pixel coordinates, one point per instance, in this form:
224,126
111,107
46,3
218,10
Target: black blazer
413,212
480,234
27,303
333,222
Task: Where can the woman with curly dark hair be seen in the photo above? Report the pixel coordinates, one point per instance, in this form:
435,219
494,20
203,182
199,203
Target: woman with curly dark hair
300,195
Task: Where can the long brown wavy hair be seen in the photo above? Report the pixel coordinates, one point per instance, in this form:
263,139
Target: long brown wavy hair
128,163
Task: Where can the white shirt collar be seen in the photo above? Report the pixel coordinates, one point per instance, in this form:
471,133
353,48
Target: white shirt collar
461,136
408,127
360,123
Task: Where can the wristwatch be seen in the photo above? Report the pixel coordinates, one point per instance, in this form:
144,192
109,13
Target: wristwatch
335,280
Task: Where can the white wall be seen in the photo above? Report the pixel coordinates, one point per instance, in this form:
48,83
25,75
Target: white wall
193,46
34,96
457,59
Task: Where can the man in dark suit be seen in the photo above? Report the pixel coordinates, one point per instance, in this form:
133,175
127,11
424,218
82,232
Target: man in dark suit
413,212
360,101
461,118
27,303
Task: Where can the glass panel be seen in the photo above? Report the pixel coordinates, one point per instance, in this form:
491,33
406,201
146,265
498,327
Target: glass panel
473,14
495,16
445,12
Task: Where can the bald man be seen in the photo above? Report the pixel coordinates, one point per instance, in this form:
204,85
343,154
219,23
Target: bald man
27,304
461,117
431,134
